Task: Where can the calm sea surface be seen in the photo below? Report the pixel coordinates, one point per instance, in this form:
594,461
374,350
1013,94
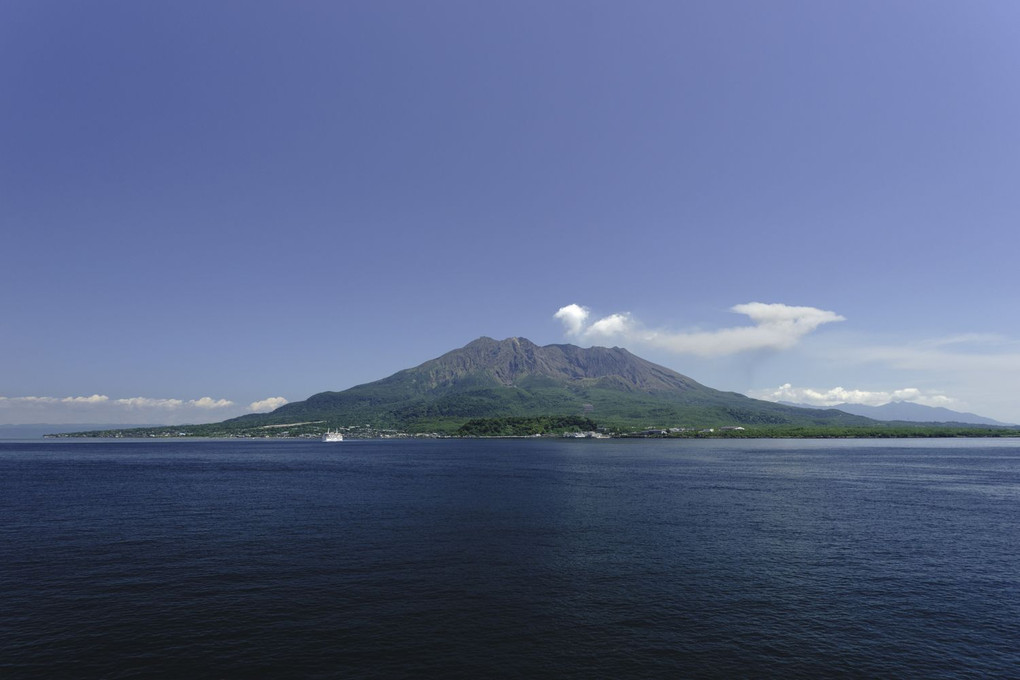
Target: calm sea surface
509,558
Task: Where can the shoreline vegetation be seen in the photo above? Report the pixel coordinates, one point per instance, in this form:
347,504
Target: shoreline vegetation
571,426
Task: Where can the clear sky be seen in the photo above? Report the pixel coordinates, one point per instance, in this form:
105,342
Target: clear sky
205,206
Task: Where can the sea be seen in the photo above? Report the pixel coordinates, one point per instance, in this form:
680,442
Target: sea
510,558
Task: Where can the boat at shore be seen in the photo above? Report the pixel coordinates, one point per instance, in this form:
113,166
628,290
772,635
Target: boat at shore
331,436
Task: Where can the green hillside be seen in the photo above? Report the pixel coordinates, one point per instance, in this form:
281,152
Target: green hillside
516,378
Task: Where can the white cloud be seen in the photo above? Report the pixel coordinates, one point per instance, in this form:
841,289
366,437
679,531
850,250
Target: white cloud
611,326
94,399
99,408
840,395
266,405
804,319
776,327
210,403
146,402
173,404
573,317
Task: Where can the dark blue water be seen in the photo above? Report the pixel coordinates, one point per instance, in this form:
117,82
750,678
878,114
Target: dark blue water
509,559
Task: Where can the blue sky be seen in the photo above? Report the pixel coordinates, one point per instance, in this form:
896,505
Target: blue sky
209,205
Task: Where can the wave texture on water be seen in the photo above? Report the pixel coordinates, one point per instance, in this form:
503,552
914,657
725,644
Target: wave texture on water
509,559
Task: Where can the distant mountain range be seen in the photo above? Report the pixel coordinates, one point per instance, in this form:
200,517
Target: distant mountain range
515,377
910,412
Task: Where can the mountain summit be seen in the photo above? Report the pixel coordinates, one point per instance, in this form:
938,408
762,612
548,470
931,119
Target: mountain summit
490,378
510,361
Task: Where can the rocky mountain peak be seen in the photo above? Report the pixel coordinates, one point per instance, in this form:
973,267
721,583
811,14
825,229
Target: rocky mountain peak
510,360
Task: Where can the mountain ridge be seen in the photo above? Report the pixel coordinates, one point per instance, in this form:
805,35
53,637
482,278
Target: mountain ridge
514,358
911,412
490,378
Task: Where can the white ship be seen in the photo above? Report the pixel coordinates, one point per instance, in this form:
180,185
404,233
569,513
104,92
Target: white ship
331,436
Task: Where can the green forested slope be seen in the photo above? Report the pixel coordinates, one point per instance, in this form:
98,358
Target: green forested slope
516,378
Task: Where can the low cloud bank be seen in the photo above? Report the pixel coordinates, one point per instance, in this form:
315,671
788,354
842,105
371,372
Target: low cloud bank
839,395
99,408
776,327
266,405
131,402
